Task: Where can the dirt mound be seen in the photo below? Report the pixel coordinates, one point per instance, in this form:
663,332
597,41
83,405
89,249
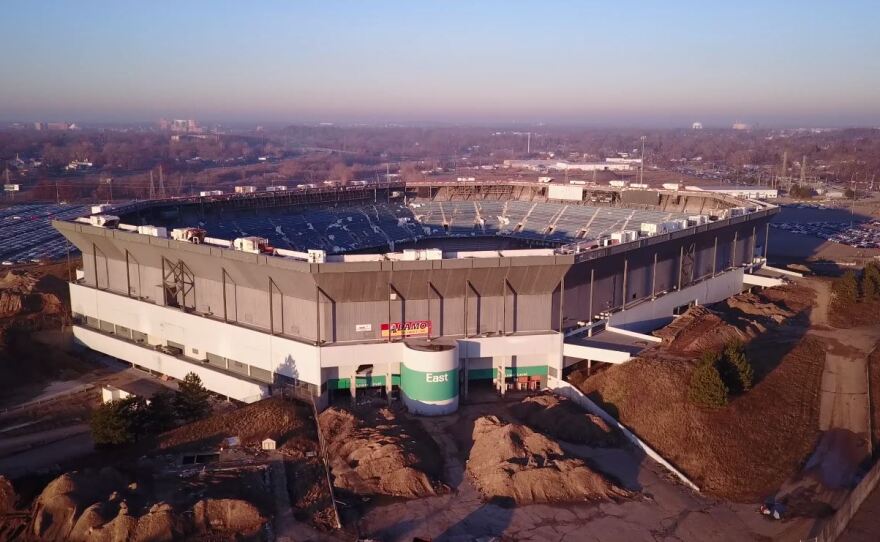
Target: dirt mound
228,515
510,461
276,418
23,293
380,452
697,330
560,418
743,451
754,305
101,506
59,506
8,498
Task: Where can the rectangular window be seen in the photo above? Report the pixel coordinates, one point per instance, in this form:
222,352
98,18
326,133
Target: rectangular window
93,322
173,344
137,336
123,332
552,371
261,374
217,361
108,327
237,367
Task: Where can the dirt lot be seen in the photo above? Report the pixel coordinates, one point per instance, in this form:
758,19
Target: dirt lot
747,449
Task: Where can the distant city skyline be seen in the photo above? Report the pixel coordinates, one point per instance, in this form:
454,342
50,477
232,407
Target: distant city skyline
627,64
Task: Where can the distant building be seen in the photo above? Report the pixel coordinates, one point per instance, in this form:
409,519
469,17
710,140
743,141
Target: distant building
697,126
740,126
185,126
746,192
561,165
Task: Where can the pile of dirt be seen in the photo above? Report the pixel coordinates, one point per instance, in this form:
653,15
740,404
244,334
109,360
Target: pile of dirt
377,451
288,423
23,293
561,419
697,330
510,461
874,384
102,506
743,451
741,317
12,524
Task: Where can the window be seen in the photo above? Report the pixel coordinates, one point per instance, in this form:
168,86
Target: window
217,361
237,367
107,326
137,336
123,332
261,374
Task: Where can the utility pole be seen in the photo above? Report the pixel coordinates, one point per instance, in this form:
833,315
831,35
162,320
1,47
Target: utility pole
642,168
803,169
529,143
152,186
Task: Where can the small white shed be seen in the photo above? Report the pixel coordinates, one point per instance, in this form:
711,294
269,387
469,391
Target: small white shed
268,444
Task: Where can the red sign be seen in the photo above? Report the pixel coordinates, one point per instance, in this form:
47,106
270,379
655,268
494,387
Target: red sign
412,328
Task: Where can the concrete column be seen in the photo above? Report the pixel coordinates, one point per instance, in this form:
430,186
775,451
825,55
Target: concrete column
388,384
502,375
654,279
715,256
625,269
733,258
766,242
590,316
466,382
352,387
589,367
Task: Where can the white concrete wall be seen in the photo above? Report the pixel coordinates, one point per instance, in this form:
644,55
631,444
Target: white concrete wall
215,381
596,354
530,350
651,315
255,348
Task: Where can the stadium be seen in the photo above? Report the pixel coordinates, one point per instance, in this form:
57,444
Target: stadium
421,292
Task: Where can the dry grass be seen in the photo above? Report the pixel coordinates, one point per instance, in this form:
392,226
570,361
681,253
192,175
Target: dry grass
743,451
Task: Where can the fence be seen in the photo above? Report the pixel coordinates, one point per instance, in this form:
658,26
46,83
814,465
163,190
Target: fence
567,390
79,389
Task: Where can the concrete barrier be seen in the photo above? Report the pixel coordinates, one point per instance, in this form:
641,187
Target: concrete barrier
560,387
836,525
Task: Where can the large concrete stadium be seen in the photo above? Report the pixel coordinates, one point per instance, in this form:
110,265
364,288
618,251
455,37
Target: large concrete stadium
419,291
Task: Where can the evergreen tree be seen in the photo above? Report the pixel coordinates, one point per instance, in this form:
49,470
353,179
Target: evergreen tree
118,422
192,401
706,386
160,415
870,281
845,291
740,368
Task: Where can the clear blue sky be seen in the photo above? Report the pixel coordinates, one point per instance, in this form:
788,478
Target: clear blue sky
814,63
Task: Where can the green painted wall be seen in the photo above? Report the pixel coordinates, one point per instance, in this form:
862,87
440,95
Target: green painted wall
489,374
433,386
362,382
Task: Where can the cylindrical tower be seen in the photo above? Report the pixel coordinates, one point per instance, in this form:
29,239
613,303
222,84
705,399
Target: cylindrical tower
429,378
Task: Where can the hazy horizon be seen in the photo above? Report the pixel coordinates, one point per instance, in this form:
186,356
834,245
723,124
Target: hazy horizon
631,64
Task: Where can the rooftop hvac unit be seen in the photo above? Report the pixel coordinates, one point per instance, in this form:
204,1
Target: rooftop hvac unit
413,254
189,235
252,244
698,220
317,256
245,189
638,185
154,231
670,186
204,193
652,228
101,208
104,221
625,236
280,188
618,183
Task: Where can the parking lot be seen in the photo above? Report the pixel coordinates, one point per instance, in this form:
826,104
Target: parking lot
27,235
